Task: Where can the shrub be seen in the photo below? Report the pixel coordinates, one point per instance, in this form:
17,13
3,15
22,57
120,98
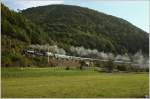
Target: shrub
122,68
110,66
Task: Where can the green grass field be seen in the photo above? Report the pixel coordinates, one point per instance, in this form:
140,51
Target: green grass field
47,82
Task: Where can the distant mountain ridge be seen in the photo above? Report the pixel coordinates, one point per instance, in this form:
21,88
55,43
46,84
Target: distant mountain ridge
73,25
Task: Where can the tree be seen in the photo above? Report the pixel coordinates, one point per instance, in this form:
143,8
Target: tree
110,66
82,63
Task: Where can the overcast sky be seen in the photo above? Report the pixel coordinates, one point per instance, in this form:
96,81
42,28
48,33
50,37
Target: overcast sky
134,11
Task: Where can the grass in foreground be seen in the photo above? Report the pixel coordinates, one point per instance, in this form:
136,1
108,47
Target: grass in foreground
47,82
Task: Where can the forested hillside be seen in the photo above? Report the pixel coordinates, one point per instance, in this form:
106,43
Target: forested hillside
17,26
76,26
67,27
17,32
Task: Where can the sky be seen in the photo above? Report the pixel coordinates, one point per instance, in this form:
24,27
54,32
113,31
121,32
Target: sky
134,11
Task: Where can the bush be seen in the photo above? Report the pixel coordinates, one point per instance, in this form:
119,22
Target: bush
67,68
122,68
110,66
19,60
6,61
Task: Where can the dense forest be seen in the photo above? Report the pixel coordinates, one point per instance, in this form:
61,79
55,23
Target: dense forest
17,32
73,25
65,26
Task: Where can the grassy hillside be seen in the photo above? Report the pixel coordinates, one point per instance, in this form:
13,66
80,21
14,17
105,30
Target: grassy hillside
72,25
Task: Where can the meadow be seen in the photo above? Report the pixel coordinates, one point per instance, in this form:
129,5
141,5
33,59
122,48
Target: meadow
61,83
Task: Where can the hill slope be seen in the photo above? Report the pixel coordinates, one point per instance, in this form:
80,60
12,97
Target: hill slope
72,25
19,27
17,32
